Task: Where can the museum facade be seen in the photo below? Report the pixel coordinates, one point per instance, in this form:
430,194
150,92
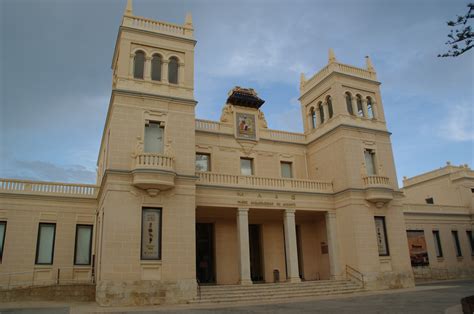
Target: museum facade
182,202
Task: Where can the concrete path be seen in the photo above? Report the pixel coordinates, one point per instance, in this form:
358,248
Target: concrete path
440,297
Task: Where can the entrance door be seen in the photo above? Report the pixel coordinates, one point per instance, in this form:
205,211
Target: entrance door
256,268
205,253
299,248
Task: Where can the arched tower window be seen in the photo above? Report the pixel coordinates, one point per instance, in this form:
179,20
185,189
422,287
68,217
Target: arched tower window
370,108
156,67
329,103
173,70
349,103
313,118
321,112
138,64
360,111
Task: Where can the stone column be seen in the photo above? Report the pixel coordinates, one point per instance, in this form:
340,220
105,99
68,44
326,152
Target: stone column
333,249
326,111
243,245
164,71
354,106
147,69
364,108
290,246
374,109
181,73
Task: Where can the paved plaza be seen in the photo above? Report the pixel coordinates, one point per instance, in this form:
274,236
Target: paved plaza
440,297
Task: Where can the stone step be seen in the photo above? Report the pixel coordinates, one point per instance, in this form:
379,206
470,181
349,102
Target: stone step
322,283
280,289
275,296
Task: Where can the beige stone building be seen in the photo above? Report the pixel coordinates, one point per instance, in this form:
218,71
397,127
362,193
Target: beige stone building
182,202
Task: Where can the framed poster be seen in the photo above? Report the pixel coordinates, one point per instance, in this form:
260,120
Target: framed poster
245,126
151,234
417,248
381,233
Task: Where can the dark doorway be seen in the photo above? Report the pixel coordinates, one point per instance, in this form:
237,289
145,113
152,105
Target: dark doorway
299,248
205,253
256,268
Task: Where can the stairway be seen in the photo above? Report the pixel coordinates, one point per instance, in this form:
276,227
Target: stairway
274,291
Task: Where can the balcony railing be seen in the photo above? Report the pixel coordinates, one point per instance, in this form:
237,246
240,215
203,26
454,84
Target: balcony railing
48,188
154,161
157,26
376,181
211,178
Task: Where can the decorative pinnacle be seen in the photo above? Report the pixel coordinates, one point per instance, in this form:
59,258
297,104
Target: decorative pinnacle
188,22
302,79
129,8
332,56
369,64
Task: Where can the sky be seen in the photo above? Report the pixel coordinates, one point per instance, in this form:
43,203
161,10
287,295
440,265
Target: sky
55,82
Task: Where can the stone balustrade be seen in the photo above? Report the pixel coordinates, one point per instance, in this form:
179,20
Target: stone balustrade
48,188
156,26
211,178
282,136
207,125
376,180
154,161
340,68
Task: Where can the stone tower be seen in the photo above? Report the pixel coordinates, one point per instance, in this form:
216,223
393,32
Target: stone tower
349,144
146,167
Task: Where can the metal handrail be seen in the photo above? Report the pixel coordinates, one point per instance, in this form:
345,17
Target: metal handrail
350,273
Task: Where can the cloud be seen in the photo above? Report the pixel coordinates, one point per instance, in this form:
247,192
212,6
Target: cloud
459,124
46,171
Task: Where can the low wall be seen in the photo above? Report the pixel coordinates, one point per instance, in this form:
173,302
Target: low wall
77,292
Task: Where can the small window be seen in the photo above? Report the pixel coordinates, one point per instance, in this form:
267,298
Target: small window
153,138
203,162
139,65
381,233
246,166
173,71
156,68
45,244
429,200
370,109
321,113
83,249
360,110
349,103
456,243
471,241
369,155
314,121
3,228
151,234
329,103
286,171
437,242
472,190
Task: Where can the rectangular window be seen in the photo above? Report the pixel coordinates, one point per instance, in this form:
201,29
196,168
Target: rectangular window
429,200
456,243
151,234
286,171
246,166
153,138
45,243
203,162
369,155
437,243
83,249
471,241
417,248
381,233
3,228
